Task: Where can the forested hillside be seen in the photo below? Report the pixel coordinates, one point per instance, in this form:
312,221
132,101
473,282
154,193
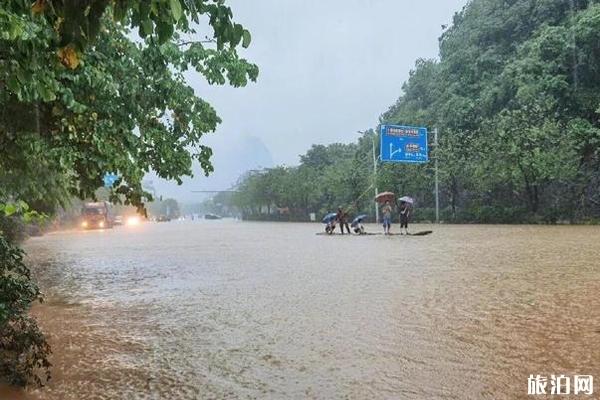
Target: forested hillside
515,96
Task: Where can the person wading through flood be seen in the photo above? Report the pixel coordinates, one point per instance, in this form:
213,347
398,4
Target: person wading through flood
387,217
404,215
342,218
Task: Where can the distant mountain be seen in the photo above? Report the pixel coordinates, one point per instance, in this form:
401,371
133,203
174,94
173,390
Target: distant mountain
230,160
240,156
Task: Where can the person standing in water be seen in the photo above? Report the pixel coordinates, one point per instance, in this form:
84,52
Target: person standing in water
342,218
404,215
387,217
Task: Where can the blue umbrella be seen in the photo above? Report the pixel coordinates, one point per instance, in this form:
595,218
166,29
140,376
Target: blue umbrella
329,217
358,220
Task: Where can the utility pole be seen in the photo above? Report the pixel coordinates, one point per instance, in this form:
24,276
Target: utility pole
374,174
437,184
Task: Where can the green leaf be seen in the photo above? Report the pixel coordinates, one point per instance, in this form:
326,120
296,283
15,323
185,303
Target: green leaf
10,209
21,76
176,10
165,31
246,38
146,28
13,84
23,205
46,93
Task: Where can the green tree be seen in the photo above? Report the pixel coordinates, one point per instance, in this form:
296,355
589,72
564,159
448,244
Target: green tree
515,93
79,98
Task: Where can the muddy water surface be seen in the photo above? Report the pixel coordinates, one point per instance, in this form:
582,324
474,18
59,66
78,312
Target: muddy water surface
224,309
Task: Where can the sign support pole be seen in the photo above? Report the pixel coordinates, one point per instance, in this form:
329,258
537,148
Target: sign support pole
437,185
375,181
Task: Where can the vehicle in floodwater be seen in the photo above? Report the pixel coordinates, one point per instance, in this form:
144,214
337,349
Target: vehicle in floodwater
96,216
211,216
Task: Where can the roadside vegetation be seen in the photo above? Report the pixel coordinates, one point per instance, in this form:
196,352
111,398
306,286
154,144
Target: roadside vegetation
92,87
515,94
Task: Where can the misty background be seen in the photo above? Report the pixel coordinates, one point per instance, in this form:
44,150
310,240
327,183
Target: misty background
327,69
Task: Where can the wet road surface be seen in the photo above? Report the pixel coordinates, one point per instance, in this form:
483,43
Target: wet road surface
232,310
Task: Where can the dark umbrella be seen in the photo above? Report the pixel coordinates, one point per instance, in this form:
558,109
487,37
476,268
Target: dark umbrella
329,217
358,220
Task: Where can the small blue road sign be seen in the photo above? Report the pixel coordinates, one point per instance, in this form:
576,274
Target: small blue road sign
110,179
404,144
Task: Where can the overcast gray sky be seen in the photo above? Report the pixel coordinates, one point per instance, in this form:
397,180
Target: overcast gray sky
327,69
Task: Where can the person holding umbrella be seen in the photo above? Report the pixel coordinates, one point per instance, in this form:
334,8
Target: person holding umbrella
386,198
357,224
405,203
329,221
387,217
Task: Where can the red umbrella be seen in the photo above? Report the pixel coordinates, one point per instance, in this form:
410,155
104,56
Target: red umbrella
385,196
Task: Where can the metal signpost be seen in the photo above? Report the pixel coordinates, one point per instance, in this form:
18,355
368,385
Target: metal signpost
408,144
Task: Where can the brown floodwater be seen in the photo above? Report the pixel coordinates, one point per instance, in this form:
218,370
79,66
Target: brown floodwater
237,310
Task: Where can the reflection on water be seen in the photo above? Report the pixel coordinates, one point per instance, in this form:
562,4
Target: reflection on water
221,309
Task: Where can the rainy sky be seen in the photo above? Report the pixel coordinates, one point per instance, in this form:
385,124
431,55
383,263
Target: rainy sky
327,69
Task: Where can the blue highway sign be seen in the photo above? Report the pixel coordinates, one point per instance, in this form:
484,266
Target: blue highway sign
404,144
110,179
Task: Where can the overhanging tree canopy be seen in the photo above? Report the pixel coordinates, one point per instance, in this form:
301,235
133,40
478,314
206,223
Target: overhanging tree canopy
84,98
79,97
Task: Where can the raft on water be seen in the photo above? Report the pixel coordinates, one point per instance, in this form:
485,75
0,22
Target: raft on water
420,233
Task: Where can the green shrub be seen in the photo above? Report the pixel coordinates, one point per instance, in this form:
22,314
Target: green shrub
24,350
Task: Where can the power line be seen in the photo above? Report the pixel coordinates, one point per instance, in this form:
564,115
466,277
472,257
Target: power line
215,191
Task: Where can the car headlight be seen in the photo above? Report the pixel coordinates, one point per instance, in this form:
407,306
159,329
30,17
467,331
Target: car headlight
84,224
101,224
133,220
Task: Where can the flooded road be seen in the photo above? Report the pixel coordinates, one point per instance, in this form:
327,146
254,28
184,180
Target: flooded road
228,310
